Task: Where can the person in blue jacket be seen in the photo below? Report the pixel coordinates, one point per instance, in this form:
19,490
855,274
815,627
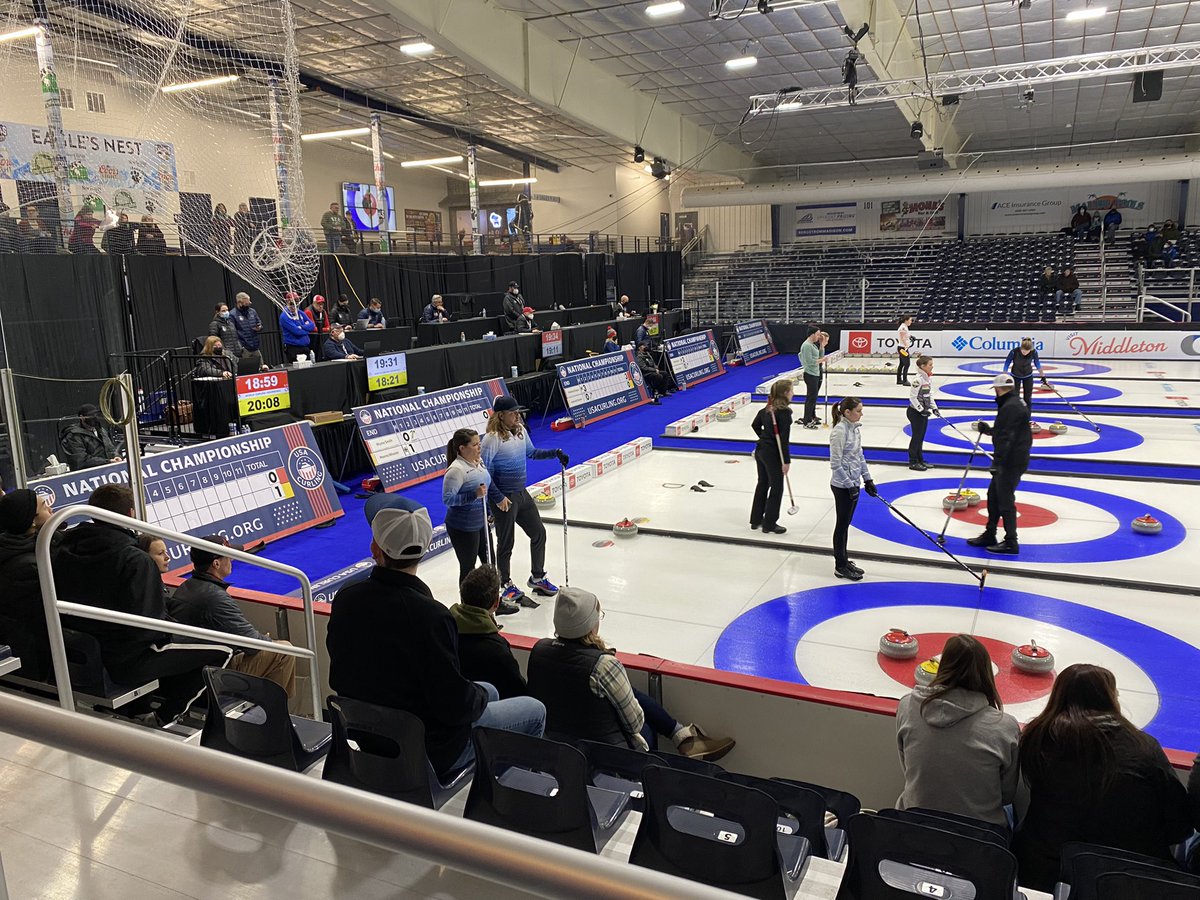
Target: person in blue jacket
295,327
610,341
338,346
1021,362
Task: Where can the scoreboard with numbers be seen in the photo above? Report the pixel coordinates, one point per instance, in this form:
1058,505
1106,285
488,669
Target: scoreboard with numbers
388,370
602,386
263,392
407,438
249,488
694,358
754,341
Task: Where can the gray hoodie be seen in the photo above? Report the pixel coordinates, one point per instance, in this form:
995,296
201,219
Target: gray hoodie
959,755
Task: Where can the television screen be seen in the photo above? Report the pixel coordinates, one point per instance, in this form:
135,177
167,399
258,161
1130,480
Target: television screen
366,209
501,221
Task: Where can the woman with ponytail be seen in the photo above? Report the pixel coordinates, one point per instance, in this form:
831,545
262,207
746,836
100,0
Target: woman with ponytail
464,487
773,425
849,469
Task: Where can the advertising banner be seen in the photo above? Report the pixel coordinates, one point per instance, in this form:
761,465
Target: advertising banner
250,488
1104,344
694,358
601,386
826,219
99,161
912,216
1079,344
754,341
406,439
386,371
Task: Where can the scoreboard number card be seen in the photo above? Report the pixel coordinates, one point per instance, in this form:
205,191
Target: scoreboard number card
601,386
263,392
386,371
694,358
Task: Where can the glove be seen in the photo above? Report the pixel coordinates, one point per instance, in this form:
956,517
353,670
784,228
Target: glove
869,487
936,413
563,459
982,427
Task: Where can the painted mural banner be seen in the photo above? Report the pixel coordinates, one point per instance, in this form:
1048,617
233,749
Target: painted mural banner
104,162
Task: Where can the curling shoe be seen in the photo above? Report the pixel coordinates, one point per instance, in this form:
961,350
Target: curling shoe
1007,546
987,539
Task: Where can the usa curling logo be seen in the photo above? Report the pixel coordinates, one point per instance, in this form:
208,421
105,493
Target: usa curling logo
44,490
307,468
365,417
958,343
637,375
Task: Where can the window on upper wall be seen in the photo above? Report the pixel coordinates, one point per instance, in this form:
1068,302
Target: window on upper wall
66,98
95,102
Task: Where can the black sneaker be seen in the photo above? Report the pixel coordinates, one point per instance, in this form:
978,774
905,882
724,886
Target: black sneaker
851,564
1008,547
918,467
774,529
847,572
507,608
753,527
812,425
984,540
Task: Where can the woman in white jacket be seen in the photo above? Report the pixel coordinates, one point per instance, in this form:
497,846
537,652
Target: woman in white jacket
849,469
920,408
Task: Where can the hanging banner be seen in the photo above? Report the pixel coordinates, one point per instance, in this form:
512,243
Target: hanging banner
928,216
694,358
249,488
826,218
406,439
754,341
601,386
101,161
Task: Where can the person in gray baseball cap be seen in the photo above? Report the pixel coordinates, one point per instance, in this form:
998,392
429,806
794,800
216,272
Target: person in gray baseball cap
1011,442
392,643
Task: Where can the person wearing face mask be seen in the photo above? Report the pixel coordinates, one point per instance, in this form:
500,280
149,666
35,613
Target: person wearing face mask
223,326
514,307
214,360
342,313
295,328
248,324
88,443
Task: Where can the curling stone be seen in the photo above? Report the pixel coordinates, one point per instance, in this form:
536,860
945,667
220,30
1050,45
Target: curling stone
625,528
1058,428
955,501
973,498
724,415
545,500
1035,427
926,671
898,644
1033,659
1147,524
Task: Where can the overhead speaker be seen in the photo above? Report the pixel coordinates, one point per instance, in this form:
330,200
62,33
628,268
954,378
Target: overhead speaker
1147,86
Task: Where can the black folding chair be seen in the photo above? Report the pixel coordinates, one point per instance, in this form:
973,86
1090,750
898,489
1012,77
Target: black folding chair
800,828
891,859
711,831
1001,830
248,717
538,787
1127,886
382,750
842,804
695,766
933,820
617,768
1082,865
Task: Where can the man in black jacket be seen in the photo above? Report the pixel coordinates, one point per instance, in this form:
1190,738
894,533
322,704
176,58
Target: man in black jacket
88,443
22,615
482,653
514,307
391,643
100,565
1011,440
657,380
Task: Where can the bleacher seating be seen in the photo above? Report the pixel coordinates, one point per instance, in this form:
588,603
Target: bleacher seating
1175,285
1123,886
1083,866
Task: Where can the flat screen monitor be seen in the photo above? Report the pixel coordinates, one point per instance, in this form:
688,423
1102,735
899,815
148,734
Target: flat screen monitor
366,209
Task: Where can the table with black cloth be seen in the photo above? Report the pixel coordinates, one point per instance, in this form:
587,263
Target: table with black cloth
432,334
390,340
336,385
477,360
535,390
214,405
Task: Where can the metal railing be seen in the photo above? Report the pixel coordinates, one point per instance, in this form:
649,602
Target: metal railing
494,854
1144,309
55,607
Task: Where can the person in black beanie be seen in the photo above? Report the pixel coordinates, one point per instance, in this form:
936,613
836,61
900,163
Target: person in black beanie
22,615
1011,442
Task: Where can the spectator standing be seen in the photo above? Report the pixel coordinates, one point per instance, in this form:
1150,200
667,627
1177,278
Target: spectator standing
1081,223
243,230
296,328
338,346
222,230
1068,286
1112,221
342,313
773,426
8,230
331,224
958,748
118,240
372,316
22,614
224,327
1170,255
319,316
99,564
150,238
1020,363
203,601
1011,442
482,654
1170,231
1093,777
83,235
350,236
849,468
391,643
88,442
810,360
33,235
902,351
920,408
248,324
513,307
1154,245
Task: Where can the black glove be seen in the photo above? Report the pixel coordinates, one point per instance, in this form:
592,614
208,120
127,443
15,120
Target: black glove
563,459
869,487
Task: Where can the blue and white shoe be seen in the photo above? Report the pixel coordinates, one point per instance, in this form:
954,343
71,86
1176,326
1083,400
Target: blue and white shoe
542,586
511,593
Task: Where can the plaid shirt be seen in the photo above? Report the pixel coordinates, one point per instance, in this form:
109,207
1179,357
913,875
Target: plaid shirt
609,681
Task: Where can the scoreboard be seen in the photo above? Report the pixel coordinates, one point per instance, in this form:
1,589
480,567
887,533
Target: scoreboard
754,341
406,439
601,386
386,371
249,488
694,358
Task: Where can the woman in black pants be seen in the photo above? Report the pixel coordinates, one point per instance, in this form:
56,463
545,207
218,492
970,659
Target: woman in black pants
920,408
902,348
848,469
773,425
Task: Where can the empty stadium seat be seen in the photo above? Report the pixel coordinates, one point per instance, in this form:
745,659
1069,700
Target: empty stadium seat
248,717
1124,886
1081,866
1001,831
711,831
800,828
977,830
619,769
539,787
382,750
842,804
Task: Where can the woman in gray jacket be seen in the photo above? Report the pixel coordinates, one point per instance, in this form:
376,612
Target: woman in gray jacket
958,748
849,468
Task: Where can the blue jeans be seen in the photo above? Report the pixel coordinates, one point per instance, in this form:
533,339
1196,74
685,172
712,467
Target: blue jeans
1076,297
658,720
524,715
334,240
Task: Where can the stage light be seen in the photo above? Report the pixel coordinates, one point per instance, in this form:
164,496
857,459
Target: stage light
741,62
417,48
639,155
917,131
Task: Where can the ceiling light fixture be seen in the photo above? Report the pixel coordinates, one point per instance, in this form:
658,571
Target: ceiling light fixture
503,182
417,48
741,62
369,149
662,10
249,114
1088,12
917,131
31,31
332,135
97,62
437,161
639,155
202,83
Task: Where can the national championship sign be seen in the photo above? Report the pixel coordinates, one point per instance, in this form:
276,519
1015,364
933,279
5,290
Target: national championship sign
694,358
754,341
407,438
250,488
601,386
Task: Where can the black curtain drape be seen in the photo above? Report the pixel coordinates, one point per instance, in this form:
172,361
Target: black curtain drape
567,274
479,274
632,277
595,286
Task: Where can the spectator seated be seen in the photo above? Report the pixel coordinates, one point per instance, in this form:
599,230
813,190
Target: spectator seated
540,788
1081,867
382,750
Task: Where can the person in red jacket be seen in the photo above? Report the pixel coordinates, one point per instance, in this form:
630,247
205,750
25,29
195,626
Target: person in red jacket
319,316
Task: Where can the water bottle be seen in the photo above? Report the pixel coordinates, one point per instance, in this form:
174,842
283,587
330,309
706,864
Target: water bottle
233,428
514,371
245,429
483,312
462,337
